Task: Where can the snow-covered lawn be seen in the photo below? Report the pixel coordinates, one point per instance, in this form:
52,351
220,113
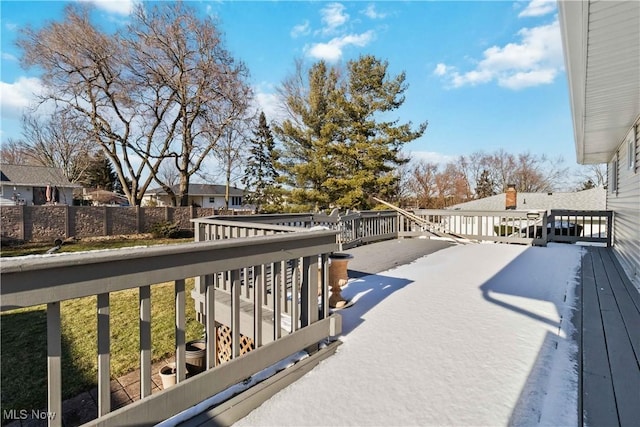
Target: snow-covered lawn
472,335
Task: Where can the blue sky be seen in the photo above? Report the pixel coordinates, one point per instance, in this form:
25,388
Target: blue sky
485,74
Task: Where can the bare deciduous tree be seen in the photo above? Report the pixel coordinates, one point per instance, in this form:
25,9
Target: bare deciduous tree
162,87
594,174
57,141
232,151
423,183
12,152
84,72
457,182
184,57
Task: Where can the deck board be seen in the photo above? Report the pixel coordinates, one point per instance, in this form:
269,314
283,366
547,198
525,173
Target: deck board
597,397
610,374
628,300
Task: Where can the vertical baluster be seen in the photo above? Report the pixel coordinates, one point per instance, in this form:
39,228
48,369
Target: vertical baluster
181,368
268,285
324,286
104,374
276,279
235,313
54,364
284,303
144,299
246,283
258,286
309,291
295,300
212,356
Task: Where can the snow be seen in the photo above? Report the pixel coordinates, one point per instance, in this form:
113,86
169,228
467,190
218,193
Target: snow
472,335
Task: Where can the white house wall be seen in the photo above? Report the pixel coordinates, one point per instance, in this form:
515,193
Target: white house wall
202,201
25,195
625,202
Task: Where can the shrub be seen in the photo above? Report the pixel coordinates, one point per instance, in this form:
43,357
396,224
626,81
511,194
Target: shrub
165,230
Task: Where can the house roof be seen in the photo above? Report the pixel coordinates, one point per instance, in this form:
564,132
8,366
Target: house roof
33,176
201,190
601,41
592,199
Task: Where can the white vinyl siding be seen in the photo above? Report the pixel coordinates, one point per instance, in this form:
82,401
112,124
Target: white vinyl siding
625,202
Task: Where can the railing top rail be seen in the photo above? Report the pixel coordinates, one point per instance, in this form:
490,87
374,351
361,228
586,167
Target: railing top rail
28,281
451,212
255,225
581,212
378,213
273,217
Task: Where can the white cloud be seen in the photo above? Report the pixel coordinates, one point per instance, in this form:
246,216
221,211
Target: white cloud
441,69
121,7
538,8
431,157
372,13
333,16
332,50
533,61
9,57
15,97
11,26
301,29
268,103
527,79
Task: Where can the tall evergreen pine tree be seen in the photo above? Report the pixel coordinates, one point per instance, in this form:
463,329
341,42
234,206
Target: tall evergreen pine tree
261,177
485,185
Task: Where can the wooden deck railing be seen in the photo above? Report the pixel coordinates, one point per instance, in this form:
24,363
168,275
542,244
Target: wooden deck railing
510,226
580,226
355,228
507,226
49,280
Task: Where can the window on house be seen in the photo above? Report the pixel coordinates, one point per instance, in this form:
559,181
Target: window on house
212,199
631,150
236,200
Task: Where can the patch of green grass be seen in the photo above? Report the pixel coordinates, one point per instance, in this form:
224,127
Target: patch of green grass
85,245
24,343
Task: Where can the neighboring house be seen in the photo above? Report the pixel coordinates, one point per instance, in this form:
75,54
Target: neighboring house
594,199
203,195
601,43
34,185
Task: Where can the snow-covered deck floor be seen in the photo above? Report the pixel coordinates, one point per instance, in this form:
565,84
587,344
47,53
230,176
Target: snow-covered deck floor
478,334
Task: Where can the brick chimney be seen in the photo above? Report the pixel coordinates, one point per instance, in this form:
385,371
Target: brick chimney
512,197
